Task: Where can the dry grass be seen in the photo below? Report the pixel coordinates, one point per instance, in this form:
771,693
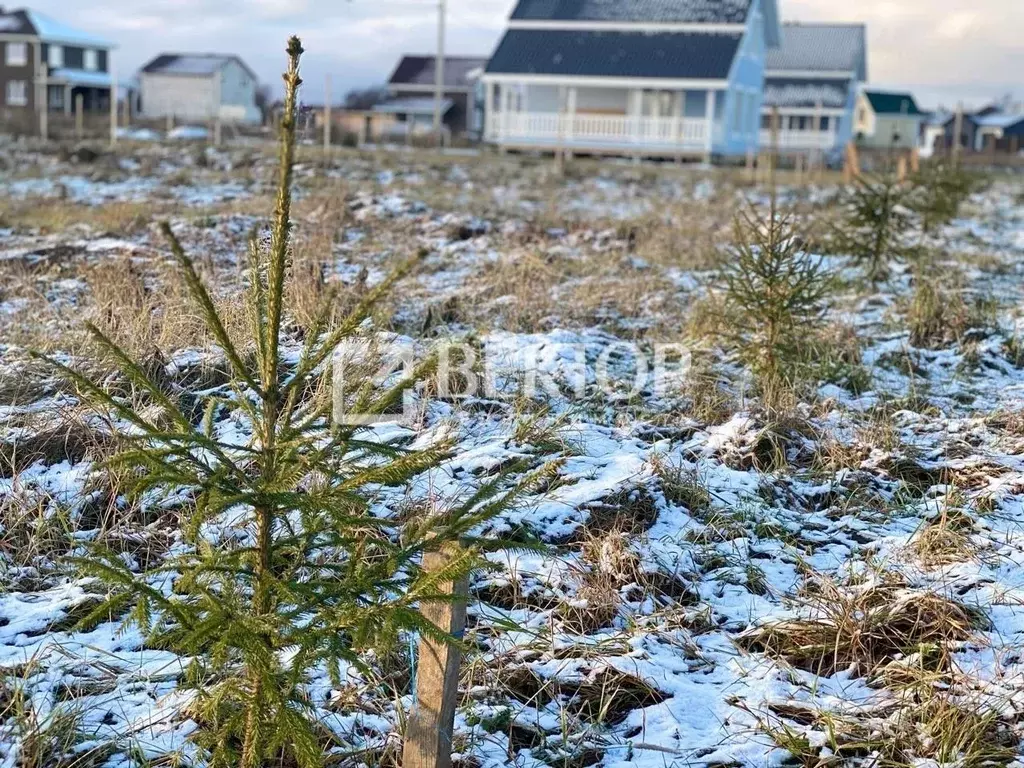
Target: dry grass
865,627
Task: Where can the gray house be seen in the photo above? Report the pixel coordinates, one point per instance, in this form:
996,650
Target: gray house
411,90
46,62
812,79
200,87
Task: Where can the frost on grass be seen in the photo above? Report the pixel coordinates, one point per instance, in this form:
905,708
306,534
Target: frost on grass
834,580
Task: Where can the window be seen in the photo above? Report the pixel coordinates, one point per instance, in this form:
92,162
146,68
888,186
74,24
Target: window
17,54
766,122
55,96
92,60
825,124
17,93
55,56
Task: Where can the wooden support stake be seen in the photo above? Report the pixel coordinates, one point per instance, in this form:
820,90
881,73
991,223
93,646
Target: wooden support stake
915,160
901,169
428,730
327,119
751,177
79,116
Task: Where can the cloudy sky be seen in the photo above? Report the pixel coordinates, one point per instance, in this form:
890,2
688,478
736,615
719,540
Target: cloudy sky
945,50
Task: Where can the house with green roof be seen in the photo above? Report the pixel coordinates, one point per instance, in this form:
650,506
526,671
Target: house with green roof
888,120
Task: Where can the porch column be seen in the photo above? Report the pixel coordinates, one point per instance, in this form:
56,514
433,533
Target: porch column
67,99
489,109
636,103
571,109
506,109
677,99
709,117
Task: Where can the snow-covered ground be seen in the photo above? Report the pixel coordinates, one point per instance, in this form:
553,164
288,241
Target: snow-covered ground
680,537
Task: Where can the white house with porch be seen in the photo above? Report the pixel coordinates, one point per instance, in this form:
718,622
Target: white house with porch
670,78
812,79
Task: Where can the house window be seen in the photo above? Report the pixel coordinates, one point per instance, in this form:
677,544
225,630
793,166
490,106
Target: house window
17,93
55,56
863,116
766,122
55,96
17,54
826,124
92,60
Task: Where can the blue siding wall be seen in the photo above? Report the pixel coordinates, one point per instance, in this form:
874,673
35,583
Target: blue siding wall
738,130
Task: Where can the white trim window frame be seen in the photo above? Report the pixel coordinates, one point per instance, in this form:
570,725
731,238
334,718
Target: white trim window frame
55,56
16,54
17,93
90,60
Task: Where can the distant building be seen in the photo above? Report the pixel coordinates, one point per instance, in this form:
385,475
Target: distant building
887,120
812,79
199,87
43,61
634,77
411,89
1001,131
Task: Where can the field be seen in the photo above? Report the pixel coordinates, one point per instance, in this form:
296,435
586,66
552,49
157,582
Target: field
820,567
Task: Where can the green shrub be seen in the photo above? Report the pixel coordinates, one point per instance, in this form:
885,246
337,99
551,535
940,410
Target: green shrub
775,296
876,217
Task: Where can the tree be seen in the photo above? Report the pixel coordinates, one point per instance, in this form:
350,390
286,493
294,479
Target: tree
309,575
366,98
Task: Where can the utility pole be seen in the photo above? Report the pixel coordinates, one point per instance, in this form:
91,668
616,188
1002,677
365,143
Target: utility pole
327,119
439,73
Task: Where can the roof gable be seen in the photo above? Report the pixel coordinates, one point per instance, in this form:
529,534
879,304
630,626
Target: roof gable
587,53
422,70
893,103
821,48
643,11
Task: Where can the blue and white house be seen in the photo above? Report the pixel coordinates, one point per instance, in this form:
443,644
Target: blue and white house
635,77
812,79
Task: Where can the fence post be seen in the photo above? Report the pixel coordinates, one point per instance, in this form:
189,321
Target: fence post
113,104
428,730
79,117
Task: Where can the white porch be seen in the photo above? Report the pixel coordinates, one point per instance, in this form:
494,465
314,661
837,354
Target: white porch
803,130
603,118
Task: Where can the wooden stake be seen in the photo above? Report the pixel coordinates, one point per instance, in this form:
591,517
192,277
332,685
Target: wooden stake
750,166
428,730
915,160
901,169
958,128
79,116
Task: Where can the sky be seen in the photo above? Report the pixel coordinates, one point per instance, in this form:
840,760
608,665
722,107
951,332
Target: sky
944,50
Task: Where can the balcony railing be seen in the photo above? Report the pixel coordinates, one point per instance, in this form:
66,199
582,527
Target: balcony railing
551,128
801,141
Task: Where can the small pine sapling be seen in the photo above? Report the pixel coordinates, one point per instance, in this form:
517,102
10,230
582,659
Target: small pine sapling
775,296
876,219
303,574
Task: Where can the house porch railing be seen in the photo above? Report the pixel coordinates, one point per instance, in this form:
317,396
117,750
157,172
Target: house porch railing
554,129
800,141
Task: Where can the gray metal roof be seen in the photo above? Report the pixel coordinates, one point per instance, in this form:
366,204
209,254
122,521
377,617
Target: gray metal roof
805,93
697,55
192,64
821,48
412,106
459,71
651,11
